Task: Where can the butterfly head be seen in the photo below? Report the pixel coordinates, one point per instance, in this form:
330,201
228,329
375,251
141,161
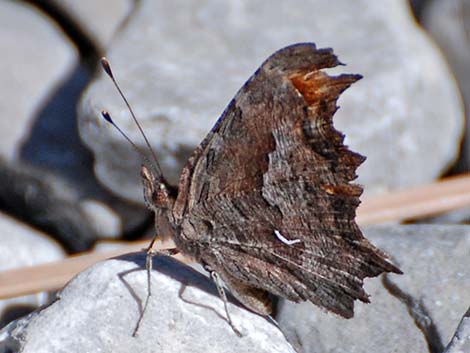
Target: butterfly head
158,194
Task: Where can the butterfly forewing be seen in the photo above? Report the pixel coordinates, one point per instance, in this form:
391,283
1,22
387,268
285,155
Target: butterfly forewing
269,189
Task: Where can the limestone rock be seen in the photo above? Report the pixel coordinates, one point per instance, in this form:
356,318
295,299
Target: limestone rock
98,311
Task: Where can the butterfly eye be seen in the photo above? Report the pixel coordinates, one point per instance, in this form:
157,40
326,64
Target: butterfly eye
161,197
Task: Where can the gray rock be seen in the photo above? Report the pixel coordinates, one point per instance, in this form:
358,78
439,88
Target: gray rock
98,310
22,246
180,64
46,172
414,312
28,79
435,262
382,326
461,341
99,20
28,82
48,202
448,22
105,221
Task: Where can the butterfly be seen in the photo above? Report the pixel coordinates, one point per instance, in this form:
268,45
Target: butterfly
266,201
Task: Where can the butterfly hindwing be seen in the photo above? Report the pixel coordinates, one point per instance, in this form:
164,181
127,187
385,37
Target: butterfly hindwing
270,189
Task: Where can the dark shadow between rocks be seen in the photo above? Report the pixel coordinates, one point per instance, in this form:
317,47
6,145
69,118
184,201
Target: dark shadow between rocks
460,341
420,314
14,312
417,7
54,148
27,194
53,142
86,46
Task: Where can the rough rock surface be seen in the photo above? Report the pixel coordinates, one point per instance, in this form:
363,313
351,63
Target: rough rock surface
414,312
98,310
461,341
180,63
435,260
22,246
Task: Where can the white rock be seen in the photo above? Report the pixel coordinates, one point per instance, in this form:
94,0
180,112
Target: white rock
98,310
22,246
180,63
98,19
104,220
27,79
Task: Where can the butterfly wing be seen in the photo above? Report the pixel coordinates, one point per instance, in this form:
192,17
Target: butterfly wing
266,199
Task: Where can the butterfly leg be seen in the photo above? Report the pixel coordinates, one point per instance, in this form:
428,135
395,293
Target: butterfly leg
148,266
149,260
220,289
152,243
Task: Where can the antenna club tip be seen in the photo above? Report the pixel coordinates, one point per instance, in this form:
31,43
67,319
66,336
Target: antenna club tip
106,66
106,116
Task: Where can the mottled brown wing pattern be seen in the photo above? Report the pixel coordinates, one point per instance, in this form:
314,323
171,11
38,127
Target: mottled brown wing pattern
274,166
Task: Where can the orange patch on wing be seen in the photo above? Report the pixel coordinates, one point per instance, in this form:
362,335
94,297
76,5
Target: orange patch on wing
311,86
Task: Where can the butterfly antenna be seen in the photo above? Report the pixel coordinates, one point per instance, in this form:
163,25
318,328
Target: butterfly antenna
107,68
105,114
